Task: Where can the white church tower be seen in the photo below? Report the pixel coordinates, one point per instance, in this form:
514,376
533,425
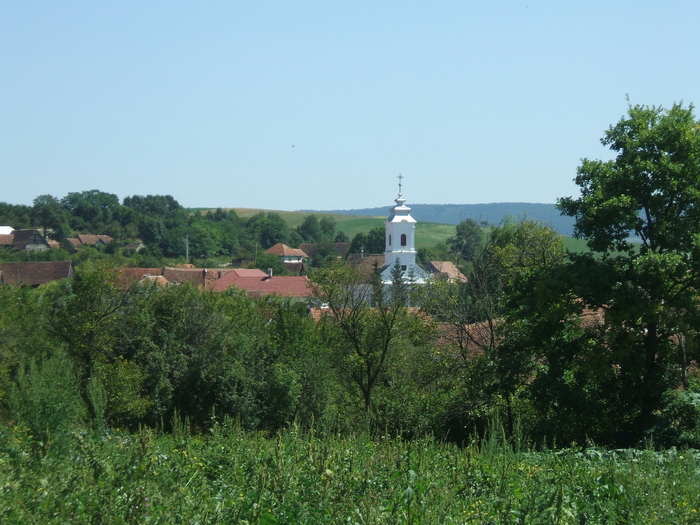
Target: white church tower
400,243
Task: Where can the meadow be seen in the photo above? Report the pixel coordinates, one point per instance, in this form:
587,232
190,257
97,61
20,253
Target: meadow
298,477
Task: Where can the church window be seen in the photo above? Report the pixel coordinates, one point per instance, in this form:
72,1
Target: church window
403,239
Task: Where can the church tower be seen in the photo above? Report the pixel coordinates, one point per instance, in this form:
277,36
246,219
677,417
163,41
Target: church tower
400,242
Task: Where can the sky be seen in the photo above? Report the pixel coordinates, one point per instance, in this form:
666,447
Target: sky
293,105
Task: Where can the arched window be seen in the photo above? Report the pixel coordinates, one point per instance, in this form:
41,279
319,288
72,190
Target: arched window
403,239
389,239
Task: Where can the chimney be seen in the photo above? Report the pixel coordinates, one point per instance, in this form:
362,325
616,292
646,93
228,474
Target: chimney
269,273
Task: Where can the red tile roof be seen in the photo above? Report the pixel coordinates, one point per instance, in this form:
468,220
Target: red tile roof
292,286
34,273
200,277
249,272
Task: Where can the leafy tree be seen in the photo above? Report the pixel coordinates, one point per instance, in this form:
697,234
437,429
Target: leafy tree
364,324
158,206
371,242
328,225
19,216
638,213
48,213
268,229
310,229
468,239
92,210
488,375
267,261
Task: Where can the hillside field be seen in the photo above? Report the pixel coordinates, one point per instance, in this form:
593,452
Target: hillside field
428,234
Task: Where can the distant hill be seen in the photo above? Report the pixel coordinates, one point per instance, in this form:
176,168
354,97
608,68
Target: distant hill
493,213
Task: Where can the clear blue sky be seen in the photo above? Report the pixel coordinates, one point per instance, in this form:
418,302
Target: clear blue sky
322,104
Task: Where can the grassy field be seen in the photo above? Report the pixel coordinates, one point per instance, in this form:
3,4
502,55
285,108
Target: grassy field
428,234
295,477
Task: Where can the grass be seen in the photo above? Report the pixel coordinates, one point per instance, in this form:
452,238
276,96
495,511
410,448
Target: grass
297,477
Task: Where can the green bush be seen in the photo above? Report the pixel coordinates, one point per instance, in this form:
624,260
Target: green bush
45,401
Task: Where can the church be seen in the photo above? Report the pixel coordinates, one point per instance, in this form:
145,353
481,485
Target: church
400,230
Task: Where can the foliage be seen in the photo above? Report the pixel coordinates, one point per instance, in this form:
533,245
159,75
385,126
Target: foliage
45,401
298,476
371,242
615,329
364,324
468,239
268,229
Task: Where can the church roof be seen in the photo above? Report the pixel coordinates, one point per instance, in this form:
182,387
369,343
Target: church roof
400,212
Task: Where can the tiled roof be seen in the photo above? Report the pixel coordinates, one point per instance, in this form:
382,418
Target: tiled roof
34,273
294,286
157,280
249,272
21,238
75,242
92,240
342,248
195,276
282,250
446,269
128,276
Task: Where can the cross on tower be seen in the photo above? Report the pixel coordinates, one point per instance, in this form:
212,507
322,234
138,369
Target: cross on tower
400,177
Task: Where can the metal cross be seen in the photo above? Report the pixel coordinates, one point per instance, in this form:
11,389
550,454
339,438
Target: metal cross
400,177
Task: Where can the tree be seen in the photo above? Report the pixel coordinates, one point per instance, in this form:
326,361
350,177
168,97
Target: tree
468,239
268,229
364,324
51,216
328,226
639,214
310,229
91,209
371,242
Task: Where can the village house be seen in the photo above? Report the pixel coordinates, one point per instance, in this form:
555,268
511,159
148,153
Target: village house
29,240
292,258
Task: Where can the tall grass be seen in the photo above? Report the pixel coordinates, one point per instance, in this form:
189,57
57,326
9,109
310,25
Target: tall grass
296,476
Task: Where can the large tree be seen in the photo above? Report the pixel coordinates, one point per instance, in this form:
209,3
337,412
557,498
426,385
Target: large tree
364,324
639,214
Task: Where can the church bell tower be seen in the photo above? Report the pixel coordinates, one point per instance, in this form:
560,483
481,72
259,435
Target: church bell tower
400,241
